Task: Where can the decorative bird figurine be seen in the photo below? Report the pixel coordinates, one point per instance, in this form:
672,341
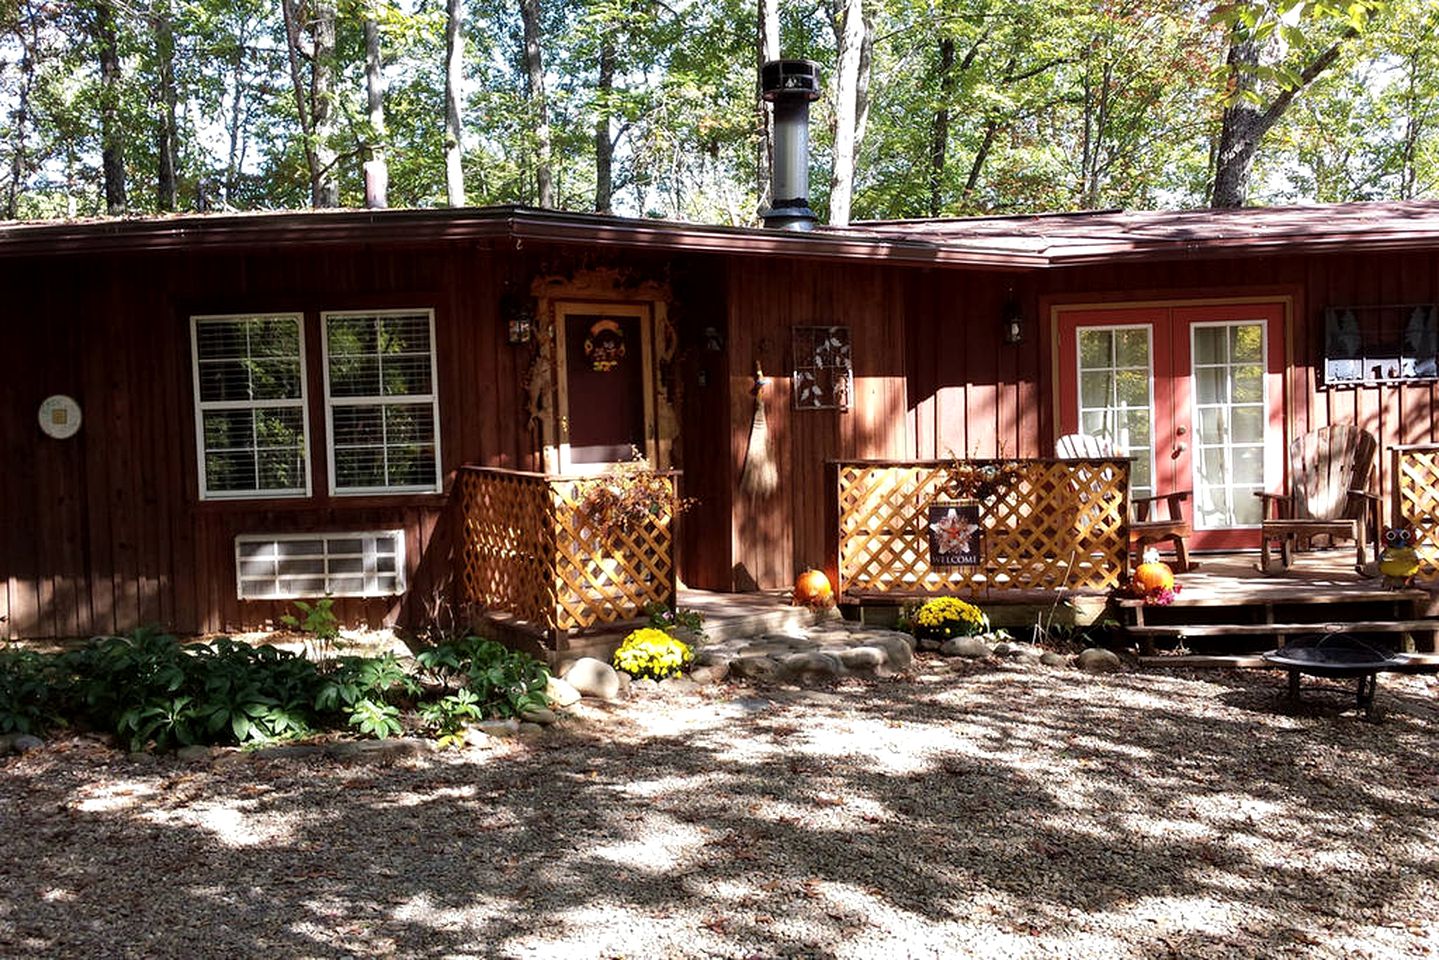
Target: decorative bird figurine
1400,561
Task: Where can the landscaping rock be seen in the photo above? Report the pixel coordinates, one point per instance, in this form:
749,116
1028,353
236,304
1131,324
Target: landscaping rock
540,715
1098,660
19,743
711,657
377,750
679,684
971,647
594,678
195,753
561,693
810,667
289,751
930,646
753,668
528,731
1051,659
494,728
868,661
898,647
710,672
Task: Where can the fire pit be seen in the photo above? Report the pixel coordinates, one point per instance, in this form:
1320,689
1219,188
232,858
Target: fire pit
1338,655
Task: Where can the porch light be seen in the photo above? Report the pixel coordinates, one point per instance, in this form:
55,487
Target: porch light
1012,321
521,329
714,340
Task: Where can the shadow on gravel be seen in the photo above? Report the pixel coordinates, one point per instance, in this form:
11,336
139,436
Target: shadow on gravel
1020,803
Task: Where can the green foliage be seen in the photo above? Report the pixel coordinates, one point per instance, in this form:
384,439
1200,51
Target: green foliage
26,692
318,622
148,688
503,682
447,716
673,620
946,617
151,690
653,653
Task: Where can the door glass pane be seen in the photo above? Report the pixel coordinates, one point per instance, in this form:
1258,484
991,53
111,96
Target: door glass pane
1228,377
1114,395
1209,345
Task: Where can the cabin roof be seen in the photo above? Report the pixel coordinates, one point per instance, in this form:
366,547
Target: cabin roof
1075,238
1011,242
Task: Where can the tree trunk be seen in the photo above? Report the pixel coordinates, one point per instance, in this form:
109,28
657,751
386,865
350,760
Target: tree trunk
454,80
377,173
846,111
239,114
939,128
766,49
167,138
535,68
1241,130
291,12
30,50
324,184
1245,122
604,143
112,142
991,130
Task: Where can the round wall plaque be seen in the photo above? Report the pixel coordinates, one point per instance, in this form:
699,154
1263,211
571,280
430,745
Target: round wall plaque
60,416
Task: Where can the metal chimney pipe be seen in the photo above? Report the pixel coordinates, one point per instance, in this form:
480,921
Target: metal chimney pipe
791,85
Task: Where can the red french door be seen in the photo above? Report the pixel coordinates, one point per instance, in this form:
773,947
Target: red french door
1193,394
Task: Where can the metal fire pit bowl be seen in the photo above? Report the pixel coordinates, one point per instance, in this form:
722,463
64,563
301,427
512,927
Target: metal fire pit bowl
1337,655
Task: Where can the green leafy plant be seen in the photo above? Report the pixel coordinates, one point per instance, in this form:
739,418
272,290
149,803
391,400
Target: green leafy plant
673,620
27,693
504,682
648,652
946,617
318,623
446,717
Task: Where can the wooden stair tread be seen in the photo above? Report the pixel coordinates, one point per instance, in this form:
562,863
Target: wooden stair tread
1350,595
1220,629
1413,662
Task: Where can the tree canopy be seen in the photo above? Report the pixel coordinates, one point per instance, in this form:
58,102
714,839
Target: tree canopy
650,107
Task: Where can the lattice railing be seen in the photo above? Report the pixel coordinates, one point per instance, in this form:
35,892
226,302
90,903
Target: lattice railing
530,548
1056,525
1416,501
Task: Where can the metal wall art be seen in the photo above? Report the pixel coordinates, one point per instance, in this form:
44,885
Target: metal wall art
823,374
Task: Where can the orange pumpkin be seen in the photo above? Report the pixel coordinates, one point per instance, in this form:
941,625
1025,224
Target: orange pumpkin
812,589
1153,575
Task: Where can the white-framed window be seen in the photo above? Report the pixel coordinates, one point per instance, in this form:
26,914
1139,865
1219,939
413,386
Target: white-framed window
251,418
381,401
293,565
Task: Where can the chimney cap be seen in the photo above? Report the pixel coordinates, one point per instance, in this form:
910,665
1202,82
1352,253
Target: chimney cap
785,79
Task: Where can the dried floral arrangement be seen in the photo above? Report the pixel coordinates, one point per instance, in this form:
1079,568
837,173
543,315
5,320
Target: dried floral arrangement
631,494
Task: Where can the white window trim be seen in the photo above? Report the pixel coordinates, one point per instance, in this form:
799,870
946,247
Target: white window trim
202,406
369,536
1194,459
1079,408
331,402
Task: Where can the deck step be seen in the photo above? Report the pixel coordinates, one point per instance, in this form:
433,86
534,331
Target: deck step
1239,596
1413,662
1180,630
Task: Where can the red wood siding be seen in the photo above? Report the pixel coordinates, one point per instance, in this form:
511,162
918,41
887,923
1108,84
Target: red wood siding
105,531
777,535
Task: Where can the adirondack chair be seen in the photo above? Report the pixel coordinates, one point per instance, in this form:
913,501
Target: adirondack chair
1328,495
1146,526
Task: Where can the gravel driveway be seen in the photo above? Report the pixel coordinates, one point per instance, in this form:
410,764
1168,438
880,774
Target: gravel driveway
993,811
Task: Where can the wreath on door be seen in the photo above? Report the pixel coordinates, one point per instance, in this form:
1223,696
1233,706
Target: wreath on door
604,345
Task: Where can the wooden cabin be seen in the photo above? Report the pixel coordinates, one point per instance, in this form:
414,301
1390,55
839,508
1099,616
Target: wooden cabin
204,416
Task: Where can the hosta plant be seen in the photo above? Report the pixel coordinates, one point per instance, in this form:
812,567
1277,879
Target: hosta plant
649,652
945,617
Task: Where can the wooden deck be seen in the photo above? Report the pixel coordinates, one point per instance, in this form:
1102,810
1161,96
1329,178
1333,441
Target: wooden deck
1323,576
1229,603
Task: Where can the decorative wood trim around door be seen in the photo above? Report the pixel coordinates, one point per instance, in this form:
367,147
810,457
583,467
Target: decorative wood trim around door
601,291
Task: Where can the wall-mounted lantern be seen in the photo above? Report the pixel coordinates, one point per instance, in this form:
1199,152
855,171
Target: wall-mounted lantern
521,329
1012,321
714,340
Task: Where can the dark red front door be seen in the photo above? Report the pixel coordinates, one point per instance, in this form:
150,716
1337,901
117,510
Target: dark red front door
605,387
